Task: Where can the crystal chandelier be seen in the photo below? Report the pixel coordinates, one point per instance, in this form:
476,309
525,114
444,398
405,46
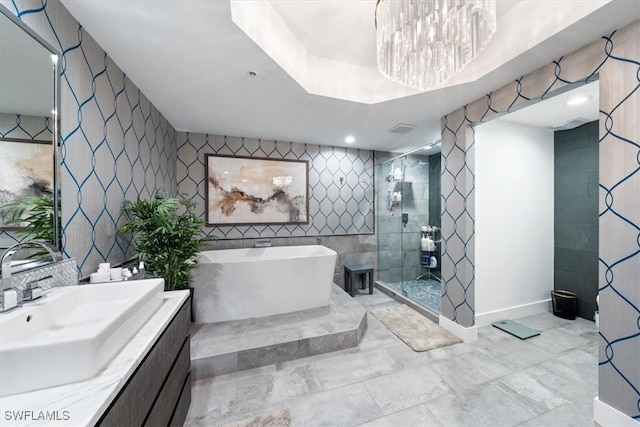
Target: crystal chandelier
423,43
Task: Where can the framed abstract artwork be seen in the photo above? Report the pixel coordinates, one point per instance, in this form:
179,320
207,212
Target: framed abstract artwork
26,170
251,190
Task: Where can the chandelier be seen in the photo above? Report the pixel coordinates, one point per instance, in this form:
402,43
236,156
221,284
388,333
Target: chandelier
423,43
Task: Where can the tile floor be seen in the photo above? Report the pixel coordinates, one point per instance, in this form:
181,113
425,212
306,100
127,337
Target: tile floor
498,380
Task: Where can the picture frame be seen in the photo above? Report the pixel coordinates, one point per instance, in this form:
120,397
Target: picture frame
26,169
255,191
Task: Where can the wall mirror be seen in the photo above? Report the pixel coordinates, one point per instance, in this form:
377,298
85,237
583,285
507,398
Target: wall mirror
29,137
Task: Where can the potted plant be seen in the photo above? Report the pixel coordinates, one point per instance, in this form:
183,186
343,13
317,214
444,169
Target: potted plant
34,217
167,235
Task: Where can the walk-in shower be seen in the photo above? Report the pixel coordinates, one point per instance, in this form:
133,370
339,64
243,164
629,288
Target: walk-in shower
408,213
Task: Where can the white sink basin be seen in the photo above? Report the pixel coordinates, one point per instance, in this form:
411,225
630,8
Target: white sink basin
72,333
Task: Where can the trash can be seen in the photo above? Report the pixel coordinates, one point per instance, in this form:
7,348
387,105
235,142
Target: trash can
565,304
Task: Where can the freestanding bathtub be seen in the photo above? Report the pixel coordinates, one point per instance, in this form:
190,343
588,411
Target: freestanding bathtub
232,284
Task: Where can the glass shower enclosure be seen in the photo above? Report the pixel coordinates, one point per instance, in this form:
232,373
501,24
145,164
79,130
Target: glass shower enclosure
408,213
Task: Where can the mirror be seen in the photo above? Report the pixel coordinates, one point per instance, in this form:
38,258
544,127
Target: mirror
29,140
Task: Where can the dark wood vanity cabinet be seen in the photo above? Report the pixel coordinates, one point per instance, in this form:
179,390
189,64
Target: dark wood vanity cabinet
159,391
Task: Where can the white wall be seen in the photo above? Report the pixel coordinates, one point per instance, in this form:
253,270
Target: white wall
514,220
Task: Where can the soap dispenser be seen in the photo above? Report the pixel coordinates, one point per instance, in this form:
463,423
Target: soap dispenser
141,270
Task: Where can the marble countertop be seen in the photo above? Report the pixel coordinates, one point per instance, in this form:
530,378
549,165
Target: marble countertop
83,403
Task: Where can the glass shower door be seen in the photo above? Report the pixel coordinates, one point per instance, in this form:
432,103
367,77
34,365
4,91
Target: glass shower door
404,213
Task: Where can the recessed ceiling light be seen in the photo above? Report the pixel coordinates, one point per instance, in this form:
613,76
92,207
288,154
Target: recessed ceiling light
428,147
578,100
350,139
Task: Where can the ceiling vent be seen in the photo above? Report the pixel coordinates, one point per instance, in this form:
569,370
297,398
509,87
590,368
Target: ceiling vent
402,128
569,124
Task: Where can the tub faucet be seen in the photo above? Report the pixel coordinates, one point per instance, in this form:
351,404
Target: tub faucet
8,255
263,243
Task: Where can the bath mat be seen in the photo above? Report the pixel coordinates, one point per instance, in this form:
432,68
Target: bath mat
418,332
516,329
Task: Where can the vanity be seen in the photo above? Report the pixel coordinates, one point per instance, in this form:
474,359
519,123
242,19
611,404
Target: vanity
146,382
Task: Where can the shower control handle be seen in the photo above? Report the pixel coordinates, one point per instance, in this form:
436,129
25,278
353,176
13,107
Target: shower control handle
405,219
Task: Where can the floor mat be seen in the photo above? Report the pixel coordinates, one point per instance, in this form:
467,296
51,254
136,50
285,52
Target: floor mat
516,329
418,332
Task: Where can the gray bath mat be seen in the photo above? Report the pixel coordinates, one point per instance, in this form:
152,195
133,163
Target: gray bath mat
418,332
516,329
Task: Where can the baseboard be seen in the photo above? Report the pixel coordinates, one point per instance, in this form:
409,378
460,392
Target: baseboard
465,334
485,319
607,416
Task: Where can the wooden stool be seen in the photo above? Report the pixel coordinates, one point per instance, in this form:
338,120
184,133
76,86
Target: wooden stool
350,273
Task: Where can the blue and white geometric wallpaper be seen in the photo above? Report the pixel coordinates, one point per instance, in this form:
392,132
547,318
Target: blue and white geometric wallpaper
615,61
25,127
115,145
335,208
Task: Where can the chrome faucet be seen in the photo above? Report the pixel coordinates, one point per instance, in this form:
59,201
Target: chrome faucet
8,255
33,290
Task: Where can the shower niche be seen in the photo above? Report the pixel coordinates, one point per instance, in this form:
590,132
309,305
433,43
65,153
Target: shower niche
408,200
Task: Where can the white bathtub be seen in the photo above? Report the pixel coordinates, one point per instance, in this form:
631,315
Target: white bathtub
233,284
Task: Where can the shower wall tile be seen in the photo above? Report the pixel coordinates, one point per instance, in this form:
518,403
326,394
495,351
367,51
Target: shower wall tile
576,235
613,60
576,214
576,210
577,261
434,189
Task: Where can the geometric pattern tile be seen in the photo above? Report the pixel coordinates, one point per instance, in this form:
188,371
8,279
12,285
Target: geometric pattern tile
615,61
334,208
63,273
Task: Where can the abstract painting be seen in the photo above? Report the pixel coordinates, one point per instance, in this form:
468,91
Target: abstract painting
26,169
250,190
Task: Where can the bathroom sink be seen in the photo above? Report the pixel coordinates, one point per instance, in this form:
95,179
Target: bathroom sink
72,332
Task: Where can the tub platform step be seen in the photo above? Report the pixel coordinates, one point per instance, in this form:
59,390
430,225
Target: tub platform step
225,347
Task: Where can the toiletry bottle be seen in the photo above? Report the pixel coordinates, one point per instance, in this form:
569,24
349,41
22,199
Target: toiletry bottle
424,244
141,271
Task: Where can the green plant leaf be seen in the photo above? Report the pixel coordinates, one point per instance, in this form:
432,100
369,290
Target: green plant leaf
167,234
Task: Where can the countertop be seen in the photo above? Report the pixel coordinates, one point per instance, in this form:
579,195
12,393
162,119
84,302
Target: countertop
83,403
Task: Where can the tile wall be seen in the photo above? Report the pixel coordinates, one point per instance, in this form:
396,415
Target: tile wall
576,214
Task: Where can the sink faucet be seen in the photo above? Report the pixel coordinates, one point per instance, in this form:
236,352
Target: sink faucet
8,255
